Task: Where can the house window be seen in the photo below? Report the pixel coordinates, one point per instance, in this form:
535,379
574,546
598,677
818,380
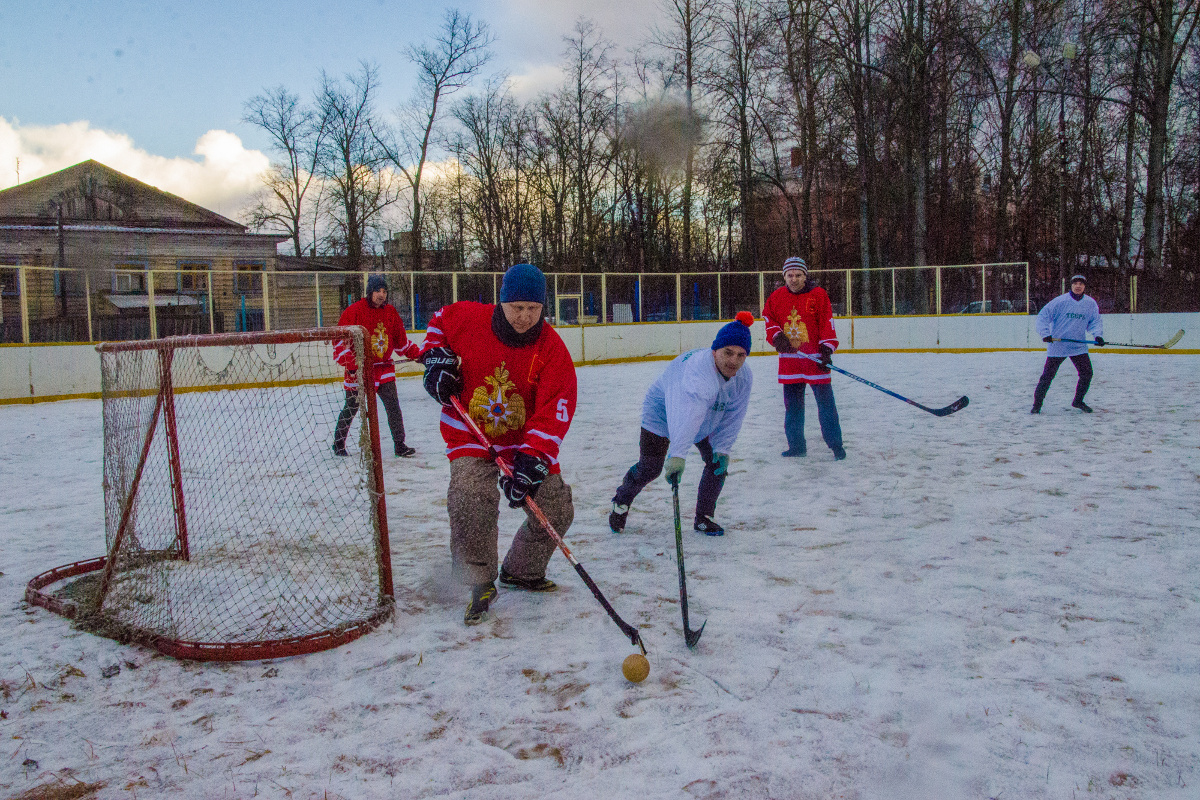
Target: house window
193,276
248,277
10,280
129,277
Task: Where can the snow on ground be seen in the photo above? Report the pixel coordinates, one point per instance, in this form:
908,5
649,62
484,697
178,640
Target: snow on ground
990,604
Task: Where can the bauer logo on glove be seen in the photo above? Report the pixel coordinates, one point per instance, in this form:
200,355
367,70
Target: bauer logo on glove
528,472
443,380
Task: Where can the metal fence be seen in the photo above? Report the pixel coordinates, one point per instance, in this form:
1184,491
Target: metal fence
40,304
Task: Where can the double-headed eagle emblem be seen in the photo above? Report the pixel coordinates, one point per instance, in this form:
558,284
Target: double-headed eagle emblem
497,407
795,329
379,341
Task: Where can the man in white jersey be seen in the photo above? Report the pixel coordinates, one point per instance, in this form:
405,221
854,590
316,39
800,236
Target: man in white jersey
1073,315
700,399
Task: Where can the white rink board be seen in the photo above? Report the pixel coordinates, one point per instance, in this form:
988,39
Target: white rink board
52,372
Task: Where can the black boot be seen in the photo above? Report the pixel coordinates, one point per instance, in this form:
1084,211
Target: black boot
481,598
707,525
404,451
616,520
1082,406
542,584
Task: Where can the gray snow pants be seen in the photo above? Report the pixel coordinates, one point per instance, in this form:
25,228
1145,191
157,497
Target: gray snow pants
473,501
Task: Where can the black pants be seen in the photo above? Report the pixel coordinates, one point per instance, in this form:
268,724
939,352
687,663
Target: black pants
387,395
652,453
1083,364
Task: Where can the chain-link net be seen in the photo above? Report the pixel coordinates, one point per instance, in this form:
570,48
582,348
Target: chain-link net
231,524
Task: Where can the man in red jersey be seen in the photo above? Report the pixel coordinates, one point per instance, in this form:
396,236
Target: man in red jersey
800,321
516,379
385,333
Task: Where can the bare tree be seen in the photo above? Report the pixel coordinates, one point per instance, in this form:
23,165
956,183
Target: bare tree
734,81
297,133
1172,24
588,67
687,37
445,65
352,159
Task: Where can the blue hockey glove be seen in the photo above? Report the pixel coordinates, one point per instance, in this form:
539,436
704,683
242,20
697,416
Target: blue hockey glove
442,380
720,464
674,470
1100,341
826,357
528,472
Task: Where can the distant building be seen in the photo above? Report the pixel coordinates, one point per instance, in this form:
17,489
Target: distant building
91,232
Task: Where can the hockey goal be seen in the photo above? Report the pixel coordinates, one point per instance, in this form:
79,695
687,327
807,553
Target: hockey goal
233,531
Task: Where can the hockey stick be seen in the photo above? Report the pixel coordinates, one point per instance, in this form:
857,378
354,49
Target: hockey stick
1174,340
690,636
630,631
957,405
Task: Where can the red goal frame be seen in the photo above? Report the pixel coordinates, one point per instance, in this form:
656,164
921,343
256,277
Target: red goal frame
164,407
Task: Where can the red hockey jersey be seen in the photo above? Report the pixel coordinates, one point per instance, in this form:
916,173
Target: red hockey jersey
385,334
806,319
522,397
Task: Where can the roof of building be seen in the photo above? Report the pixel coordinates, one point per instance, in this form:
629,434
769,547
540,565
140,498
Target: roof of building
100,195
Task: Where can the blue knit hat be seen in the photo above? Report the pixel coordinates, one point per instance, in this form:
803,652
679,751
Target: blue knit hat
375,283
523,283
735,333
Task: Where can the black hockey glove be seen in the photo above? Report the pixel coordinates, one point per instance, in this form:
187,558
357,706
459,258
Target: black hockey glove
826,357
783,344
1100,341
1047,338
528,472
443,380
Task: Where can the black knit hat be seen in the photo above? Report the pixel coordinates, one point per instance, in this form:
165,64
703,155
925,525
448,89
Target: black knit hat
375,283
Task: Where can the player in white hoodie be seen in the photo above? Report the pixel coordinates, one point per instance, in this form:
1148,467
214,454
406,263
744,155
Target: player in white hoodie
700,399
1073,315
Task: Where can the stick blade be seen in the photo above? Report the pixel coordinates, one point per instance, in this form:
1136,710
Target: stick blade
957,405
691,636
1174,340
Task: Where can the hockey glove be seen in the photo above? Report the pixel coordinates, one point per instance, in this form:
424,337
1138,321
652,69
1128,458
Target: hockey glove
674,470
1047,338
443,380
826,357
1100,341
720,464
783,344
528,472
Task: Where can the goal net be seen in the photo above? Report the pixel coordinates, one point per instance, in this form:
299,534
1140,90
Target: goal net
233,531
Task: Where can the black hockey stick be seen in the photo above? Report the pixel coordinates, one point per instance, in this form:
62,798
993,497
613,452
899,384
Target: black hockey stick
634,636
944,411
690,636
1174,340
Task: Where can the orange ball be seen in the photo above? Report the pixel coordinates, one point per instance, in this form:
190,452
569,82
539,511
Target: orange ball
636,668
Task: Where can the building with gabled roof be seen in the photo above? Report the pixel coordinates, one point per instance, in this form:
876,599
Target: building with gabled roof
89,232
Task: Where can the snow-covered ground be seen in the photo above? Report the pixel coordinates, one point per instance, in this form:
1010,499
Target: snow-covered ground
986,605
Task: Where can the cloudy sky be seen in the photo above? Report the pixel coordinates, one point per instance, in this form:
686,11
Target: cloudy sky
156,89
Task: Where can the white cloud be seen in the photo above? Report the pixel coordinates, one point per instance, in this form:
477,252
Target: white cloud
536,81
223,180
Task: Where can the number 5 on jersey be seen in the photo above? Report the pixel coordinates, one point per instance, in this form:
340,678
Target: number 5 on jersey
562,415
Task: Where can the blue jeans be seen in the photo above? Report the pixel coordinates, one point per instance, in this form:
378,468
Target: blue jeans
793,418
